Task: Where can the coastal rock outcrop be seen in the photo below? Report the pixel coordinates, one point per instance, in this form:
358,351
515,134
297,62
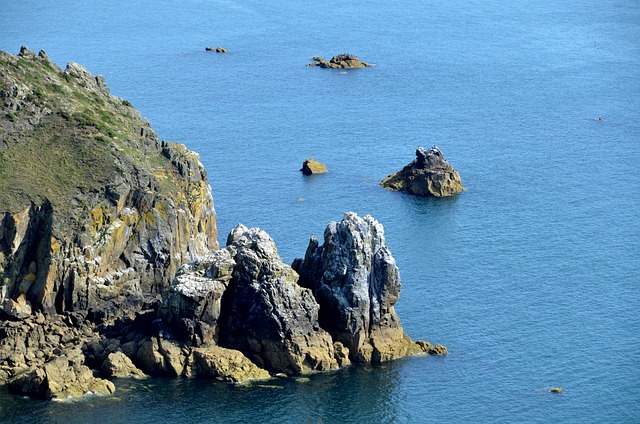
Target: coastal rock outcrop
92,203
312,166
428,175
340,61
267,315
357,283
110,266
60,378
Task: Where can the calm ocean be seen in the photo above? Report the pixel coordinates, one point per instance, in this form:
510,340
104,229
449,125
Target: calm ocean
531,277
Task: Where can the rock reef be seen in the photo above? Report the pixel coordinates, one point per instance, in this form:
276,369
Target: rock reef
339,62
429,174
111,268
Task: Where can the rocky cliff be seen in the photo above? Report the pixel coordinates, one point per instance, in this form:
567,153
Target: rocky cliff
110,265
92,204
429,174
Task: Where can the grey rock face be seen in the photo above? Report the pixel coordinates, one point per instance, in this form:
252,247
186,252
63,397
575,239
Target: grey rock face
193,303
357,283
266,314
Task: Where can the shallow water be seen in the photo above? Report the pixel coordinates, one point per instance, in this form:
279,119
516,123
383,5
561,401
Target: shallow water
530,277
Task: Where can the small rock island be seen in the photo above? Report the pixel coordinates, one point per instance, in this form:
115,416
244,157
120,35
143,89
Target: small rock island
429,174
111,268
340,61
312,166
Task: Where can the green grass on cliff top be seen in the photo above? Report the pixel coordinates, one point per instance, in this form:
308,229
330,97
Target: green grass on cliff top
77,148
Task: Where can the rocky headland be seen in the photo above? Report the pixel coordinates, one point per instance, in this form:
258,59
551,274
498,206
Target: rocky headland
429,174
111,268
339,62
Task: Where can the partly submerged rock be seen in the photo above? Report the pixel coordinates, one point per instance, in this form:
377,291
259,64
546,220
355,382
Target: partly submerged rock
216,49
339,61
427,347
225,365
428,175
61,378
117,365
312,166
357,283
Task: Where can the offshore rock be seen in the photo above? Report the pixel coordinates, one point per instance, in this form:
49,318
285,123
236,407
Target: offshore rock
267,315
340,61
312,166
428,175
93,205
357,283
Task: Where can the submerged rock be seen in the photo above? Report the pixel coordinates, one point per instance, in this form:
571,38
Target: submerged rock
312,166
357,283
428,175
339,61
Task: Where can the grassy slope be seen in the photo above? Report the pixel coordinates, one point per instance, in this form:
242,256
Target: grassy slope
81,143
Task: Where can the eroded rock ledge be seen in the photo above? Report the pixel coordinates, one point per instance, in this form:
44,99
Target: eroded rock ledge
429,174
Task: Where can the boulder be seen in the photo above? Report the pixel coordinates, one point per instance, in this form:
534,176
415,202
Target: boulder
60,378
428,175
225,365
340,61
157,356
357,283
118,364
18,309
312,166
266,314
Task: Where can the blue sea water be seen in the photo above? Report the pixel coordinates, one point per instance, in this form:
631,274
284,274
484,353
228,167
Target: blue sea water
530,277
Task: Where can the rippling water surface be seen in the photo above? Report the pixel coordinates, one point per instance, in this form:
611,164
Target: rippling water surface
530,277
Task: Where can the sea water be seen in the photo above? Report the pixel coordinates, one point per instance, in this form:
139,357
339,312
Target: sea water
530,277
